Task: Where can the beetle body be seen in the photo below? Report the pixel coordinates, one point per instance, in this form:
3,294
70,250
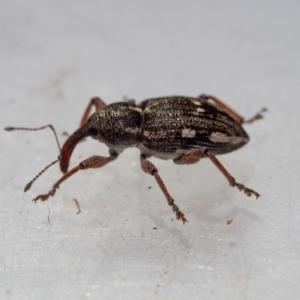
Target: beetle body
166,127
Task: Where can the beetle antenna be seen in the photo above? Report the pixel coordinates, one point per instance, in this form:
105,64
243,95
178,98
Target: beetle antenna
29,184
35,129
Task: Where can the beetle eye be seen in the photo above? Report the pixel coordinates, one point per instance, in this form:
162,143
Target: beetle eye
93,132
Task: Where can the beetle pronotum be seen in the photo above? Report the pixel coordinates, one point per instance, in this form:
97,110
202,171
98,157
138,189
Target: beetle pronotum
183,129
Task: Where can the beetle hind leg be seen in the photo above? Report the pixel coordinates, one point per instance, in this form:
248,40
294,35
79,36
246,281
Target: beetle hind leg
249,192
256,117
193,156
149,168
240,119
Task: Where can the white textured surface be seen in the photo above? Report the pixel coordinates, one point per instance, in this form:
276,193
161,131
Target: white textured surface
54,56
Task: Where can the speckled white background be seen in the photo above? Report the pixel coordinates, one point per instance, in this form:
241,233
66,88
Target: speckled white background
56,55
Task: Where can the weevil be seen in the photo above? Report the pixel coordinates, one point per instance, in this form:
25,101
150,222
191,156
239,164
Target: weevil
184,129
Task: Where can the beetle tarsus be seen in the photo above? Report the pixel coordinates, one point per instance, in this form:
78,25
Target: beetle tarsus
179,214
256,117
148,167
44,197
247,191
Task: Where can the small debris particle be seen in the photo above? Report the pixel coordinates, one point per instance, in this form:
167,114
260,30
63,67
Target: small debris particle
229,221
154,228
149,187
64,133
78,206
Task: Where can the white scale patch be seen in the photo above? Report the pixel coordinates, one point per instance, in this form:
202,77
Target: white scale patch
188,133
196,102
219,137
146,134
199,104
138,109
131,130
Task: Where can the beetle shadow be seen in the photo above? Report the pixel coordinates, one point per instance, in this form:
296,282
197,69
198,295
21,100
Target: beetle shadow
217,200
210,205
218,213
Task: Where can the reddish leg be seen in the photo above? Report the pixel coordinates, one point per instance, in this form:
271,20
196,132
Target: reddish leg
192,157
257,116
97,103
195,155
91,162
231,112
232,182
149,168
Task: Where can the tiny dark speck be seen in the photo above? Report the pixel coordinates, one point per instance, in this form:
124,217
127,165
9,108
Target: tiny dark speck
154,228
149,187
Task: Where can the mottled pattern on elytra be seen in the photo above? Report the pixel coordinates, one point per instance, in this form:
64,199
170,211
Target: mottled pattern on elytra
167,121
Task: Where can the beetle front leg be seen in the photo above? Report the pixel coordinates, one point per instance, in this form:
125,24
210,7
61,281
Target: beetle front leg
91,162
232,182
149,168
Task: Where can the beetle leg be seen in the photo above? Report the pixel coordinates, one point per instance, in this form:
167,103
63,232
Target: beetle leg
231,179
91,162
258,116
149,168
191,157
195,155
223,106
240,119
97,102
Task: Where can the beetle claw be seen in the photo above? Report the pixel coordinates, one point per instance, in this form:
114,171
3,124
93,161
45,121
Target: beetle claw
247,191
179,214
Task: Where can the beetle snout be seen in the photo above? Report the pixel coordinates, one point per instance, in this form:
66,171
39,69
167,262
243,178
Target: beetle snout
70,144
